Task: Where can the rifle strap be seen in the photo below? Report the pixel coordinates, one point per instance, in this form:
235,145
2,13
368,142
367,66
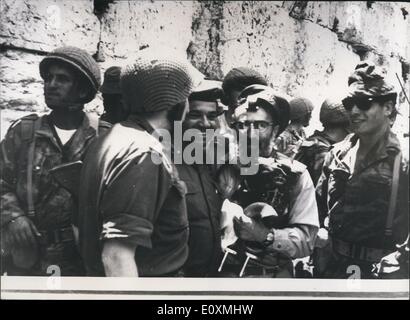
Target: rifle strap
34,126
393,195
94,122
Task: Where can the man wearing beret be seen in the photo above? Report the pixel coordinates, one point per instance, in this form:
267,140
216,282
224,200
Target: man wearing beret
279,199
363,189
36,213
114,109
133,220
202,198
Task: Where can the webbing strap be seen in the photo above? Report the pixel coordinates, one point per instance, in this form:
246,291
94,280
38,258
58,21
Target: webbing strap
30,161
94,121
393,195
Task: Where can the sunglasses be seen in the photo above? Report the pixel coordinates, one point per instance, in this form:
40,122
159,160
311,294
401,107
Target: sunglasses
258,125
362,103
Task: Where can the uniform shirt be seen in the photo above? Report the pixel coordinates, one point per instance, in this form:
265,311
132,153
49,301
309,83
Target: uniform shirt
54,206
128,197
289,141
313,152
357,202
294,201
204,212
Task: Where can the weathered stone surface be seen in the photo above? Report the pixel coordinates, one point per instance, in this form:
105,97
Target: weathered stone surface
20,84
204,50
374,24
131,26
299,47
43,25
288,52
303,48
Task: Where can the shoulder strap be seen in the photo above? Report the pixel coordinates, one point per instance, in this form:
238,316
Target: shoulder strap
35,125
393,195
27,127
94,122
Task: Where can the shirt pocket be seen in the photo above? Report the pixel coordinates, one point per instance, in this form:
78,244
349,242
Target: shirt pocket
376,187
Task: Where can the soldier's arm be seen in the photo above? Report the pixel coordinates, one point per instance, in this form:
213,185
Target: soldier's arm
118,259
298,239
9,150
128,213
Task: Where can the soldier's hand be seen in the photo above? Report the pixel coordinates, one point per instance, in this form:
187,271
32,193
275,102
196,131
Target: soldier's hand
322,238
250,231
23,232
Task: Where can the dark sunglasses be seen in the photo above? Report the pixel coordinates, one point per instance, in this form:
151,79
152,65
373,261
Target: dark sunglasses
363,103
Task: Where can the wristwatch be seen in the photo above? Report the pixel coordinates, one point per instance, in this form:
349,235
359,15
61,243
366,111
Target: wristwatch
270,237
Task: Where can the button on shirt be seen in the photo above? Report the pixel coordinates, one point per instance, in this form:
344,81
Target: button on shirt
204,209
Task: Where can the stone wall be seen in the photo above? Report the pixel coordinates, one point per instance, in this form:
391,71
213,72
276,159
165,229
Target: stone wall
304,48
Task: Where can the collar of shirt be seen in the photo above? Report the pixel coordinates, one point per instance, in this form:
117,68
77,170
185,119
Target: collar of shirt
144,124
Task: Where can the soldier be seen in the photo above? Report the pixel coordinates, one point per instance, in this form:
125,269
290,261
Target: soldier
202,199
114,109
36,213
290,140
234,82
312,152
133,219
363,190
281,187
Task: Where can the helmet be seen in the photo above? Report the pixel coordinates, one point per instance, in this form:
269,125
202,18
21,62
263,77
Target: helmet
263,96
81,61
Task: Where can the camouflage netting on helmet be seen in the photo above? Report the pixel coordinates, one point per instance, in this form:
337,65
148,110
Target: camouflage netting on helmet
369,80
332,112
155,82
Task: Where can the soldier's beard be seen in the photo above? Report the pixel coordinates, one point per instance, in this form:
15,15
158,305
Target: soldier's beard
265,147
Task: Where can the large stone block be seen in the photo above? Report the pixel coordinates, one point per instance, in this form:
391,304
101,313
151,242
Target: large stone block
131,26
300,54
46,24
382,26
288,52
21,87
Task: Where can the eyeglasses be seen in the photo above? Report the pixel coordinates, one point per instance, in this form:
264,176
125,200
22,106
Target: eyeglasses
363,103
197,115
258,125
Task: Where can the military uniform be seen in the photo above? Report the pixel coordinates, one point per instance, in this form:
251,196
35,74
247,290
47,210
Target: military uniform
204,213
54,207
313,152
357,203
289,141
285,185
133,199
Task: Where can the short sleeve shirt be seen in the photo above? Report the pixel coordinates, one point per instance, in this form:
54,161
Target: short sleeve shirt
137,201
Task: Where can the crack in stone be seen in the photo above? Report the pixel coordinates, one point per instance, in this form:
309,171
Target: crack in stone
6,46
